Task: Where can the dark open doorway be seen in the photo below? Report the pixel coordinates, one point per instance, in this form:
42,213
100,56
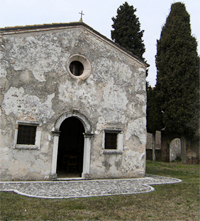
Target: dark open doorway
70,148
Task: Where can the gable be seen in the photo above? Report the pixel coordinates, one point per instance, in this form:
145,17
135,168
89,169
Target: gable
67,26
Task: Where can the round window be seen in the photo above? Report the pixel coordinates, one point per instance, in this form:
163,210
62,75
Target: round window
78,67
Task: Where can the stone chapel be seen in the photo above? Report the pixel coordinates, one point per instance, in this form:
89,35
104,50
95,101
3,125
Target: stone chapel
73,105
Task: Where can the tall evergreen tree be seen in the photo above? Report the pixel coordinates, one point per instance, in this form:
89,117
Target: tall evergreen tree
127,31
177,72
154,115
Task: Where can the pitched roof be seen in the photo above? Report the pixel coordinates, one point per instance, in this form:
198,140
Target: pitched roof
19,29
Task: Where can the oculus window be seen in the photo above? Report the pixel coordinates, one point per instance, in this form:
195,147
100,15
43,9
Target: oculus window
78,67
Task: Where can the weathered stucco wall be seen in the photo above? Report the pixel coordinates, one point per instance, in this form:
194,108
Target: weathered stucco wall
36,86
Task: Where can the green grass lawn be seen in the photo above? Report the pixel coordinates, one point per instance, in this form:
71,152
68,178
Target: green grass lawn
179,201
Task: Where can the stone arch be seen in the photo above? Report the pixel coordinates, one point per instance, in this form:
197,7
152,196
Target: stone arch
87,142
77,114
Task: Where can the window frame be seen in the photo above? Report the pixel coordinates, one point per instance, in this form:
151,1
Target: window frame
35,146
86,66
119,142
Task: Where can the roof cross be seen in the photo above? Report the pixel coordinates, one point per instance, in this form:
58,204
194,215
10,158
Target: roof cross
81,19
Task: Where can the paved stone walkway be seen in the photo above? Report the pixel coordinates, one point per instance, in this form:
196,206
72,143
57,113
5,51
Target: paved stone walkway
85,188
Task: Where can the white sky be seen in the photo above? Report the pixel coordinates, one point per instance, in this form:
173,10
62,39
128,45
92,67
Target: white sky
98,13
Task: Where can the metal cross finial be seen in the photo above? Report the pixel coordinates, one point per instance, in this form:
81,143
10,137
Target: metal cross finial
81,19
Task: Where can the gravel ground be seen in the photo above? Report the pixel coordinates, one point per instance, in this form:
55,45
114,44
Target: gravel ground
85,188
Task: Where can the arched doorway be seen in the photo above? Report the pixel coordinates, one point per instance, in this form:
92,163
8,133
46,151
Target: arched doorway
70,148
87,143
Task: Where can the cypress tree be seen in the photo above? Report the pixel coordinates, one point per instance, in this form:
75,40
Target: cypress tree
177,72
154,116
127,31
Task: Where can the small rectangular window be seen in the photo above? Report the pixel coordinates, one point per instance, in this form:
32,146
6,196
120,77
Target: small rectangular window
26,134
111,140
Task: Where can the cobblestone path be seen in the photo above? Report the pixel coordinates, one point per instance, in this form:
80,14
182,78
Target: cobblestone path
85,188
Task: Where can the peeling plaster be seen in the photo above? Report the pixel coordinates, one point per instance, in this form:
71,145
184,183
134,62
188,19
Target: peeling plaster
36,86
18,103
137,128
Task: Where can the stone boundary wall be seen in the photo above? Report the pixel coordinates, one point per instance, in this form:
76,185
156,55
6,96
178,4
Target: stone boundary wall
173,150
151,141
